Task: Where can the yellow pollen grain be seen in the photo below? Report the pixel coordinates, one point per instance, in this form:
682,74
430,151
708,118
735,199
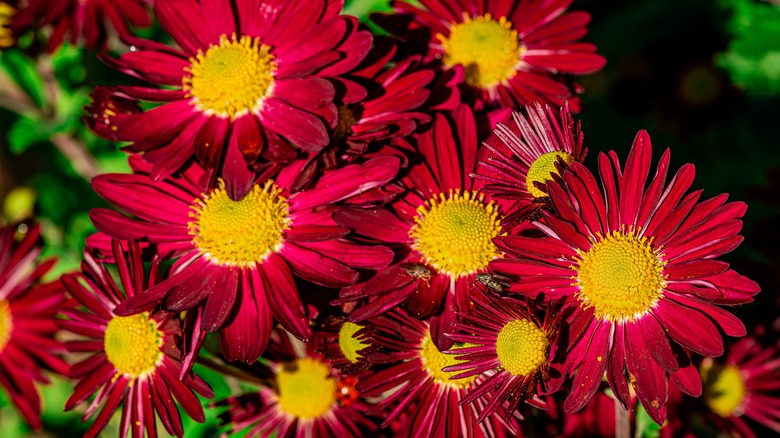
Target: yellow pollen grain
541,168
240,233
434,360
621,276
232,78
133,344
488,49
306,389
455,233
521,347
7,13
724,388
6,324
349,344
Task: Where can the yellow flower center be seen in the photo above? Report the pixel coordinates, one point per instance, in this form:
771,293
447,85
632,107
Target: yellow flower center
232,78
434,360
240,233
455,233
306,389
6,15
621,276
489,50
132,344
541,168
724,389
521,347
6,324
350,345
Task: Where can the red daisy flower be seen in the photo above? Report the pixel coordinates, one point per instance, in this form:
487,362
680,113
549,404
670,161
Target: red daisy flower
442,226
513,52
247,76
638,265
344,344
27,313
378,104
303,401
521,158
387,111
236,258
415,384
744,385
105,108
508,341
76,19
133,358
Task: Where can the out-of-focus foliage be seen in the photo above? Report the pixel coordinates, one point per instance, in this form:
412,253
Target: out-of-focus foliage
753,55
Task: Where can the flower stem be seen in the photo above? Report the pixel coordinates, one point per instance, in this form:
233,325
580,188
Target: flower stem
622,422
229,371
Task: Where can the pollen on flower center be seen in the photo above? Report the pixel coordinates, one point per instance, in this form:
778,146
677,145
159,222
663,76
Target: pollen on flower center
6,324
6,14
455,233
434,360
132,344
239,233
306,389
724,388
541,168
521,347
488,49
232,78
621,276
349,344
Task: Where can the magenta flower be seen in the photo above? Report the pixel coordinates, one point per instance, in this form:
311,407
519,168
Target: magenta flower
513,52
236,259
132,359
639,267
27,314
524,155
303,401
250,75
744,386
442,225
82,21
415,385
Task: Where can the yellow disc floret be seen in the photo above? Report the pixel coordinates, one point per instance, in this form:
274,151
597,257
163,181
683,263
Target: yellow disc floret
434,360
621,276
521,347
133,344
6,15
488,49
306,388
455,233
240,233
349,344
541,168
232,78
724,388
6,324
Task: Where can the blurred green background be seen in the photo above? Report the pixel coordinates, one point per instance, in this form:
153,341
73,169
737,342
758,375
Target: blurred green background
702,76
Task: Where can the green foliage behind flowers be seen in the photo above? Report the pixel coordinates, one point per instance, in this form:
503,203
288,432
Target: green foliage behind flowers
753,55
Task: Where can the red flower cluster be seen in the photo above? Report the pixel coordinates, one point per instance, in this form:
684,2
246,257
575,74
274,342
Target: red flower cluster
283,158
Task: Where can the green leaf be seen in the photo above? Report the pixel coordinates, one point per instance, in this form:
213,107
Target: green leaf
753,56
27,131
645,426
69,65
23,72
